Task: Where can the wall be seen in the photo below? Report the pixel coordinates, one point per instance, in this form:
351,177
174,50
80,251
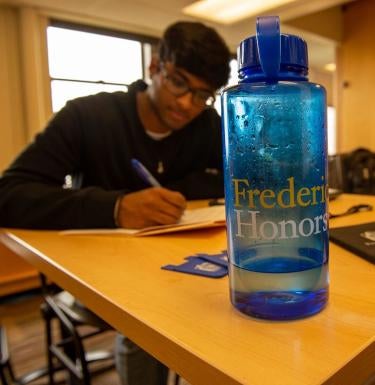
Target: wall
327,23
25,96
15,273
356,77
24,109
12,122
326,79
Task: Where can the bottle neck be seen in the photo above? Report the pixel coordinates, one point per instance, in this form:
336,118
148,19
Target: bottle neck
287,72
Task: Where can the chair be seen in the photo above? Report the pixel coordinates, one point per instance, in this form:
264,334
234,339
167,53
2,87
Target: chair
6,371
65,350
7,376
353,172
360,171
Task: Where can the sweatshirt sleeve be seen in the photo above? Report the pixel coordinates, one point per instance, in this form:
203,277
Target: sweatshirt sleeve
31,189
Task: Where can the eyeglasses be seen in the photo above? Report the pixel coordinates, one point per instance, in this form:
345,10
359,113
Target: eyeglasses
178,86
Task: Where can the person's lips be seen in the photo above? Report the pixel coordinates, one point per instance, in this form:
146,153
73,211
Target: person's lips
178,116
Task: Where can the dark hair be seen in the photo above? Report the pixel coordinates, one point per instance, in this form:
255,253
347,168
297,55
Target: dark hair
198,49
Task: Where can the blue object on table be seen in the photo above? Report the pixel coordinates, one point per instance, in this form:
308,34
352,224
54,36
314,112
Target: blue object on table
275,172
218,259
199,266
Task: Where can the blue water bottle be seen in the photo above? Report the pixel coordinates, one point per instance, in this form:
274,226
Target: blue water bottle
275,169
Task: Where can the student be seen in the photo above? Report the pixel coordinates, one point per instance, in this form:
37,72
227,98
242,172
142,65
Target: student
169,126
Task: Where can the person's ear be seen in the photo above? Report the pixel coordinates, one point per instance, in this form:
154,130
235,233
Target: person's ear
154,67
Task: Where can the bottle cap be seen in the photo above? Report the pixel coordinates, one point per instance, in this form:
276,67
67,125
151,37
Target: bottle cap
270,55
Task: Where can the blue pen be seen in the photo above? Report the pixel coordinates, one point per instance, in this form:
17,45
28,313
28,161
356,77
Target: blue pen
144,174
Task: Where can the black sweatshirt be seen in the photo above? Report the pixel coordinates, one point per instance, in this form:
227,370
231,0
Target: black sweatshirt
95,137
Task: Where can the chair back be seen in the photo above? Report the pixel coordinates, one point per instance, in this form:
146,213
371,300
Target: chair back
360,171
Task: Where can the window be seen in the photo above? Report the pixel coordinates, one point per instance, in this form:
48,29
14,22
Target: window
83,62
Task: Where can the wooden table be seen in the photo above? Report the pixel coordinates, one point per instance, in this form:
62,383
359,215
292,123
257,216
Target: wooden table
188,322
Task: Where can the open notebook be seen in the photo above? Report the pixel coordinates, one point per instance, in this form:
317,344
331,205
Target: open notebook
192,219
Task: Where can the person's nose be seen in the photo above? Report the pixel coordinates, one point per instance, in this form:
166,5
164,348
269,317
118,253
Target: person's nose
185,101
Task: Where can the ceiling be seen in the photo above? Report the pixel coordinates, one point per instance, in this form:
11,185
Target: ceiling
317,21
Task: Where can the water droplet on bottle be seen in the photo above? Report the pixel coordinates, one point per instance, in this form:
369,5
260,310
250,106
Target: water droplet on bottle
258,122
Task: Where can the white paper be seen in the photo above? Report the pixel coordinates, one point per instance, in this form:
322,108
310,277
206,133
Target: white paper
202,217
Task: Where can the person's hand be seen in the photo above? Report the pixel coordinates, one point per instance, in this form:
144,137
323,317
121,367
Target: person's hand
149,207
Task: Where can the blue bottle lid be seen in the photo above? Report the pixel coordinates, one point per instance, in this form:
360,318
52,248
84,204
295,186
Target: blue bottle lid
271,56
